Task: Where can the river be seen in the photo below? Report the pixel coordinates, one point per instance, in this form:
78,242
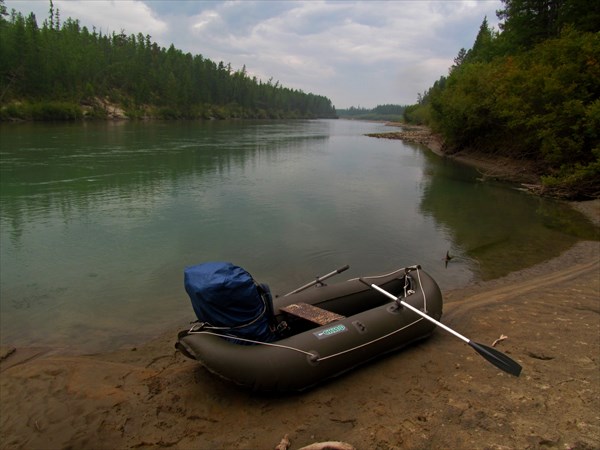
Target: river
99,219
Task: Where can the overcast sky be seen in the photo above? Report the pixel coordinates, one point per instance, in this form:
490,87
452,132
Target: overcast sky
357,53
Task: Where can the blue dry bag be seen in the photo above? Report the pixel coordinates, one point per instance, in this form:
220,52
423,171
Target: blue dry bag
228,300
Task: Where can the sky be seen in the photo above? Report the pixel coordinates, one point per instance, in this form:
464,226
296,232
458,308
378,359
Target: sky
356,53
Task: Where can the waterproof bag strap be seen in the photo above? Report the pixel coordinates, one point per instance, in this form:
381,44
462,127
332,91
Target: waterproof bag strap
265,294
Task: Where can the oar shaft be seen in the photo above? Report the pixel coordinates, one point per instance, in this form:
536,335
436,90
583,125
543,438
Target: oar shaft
318,280
495,357
419,312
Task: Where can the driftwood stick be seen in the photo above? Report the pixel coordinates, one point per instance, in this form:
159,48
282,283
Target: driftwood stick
500,339
284,444
331,445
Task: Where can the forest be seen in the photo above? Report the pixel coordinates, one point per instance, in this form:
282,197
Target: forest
60,70
393,113
529,91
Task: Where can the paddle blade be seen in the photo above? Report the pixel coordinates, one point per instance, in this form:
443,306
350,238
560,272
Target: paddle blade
497,358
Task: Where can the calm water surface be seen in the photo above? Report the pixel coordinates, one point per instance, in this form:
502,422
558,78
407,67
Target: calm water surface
98,220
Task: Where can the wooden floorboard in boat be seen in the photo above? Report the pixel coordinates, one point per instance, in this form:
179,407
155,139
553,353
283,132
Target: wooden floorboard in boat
313,313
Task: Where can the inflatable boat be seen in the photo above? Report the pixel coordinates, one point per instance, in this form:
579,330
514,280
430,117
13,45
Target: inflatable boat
316,332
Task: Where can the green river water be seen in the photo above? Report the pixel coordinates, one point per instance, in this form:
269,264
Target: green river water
99,220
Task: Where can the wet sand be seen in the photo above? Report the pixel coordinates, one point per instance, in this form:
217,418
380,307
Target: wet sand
438,394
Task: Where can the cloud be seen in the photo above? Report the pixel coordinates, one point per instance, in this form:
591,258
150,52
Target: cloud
317,42
131,16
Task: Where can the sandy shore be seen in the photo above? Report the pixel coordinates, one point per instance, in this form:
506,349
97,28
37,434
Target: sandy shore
439,394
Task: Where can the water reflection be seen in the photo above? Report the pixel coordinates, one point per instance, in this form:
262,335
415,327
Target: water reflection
71,170
494,227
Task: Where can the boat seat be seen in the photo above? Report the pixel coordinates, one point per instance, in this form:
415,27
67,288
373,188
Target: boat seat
312,313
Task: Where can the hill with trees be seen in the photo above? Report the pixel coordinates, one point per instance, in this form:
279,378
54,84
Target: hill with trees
392,113
61,70
530,91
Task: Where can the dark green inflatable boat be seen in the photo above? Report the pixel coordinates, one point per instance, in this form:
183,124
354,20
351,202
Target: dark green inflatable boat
322,332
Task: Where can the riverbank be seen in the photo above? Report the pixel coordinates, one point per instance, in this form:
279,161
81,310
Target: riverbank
522,172
99,108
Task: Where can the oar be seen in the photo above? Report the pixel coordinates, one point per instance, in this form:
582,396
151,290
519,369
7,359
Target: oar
497,358
318,280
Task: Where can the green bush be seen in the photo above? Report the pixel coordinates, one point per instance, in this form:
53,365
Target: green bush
55,111
42,111
575,182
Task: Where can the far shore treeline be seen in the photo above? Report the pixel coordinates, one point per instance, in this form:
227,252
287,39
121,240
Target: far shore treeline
61,70
530,91
392,113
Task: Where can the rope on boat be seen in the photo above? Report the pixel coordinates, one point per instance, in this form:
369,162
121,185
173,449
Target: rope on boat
268,344
394,272
405,270
312,355
422,291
